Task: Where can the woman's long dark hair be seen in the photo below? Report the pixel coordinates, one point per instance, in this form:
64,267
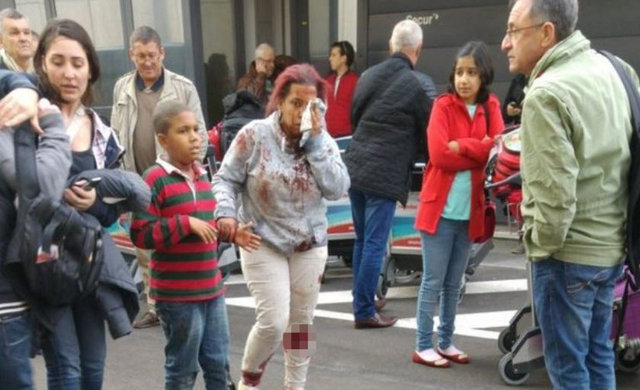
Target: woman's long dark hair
71,30
480,53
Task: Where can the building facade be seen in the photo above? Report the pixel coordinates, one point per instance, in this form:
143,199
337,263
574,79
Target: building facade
212,41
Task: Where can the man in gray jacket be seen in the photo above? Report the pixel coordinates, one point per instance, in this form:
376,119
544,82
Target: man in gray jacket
53,159
135,95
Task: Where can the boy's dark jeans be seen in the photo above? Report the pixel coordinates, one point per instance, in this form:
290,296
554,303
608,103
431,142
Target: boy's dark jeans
197,334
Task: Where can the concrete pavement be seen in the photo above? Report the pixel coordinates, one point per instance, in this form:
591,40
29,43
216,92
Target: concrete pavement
353,359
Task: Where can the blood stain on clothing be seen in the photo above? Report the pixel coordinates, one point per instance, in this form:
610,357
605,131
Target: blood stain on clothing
301,178
263,191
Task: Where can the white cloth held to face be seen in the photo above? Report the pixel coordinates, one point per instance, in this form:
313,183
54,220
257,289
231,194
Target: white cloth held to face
305,123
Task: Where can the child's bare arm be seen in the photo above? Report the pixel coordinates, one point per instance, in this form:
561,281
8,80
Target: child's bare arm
202,229
246,239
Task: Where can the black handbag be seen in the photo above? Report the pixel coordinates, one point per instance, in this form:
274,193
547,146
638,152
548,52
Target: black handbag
58,248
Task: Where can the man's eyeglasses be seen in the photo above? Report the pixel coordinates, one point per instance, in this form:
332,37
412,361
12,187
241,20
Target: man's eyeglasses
266,60
511,32
148,56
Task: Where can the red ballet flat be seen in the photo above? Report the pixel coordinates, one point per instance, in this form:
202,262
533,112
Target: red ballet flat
460,358
440,363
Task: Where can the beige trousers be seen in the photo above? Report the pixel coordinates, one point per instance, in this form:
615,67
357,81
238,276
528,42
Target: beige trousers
285,290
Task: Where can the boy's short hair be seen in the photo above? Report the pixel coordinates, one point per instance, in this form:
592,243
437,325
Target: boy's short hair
164,112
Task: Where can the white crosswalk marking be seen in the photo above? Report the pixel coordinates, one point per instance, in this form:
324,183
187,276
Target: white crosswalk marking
470,324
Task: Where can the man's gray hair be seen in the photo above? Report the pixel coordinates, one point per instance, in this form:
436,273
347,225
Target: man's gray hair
10,13
261,49
406,34
144,35
562,13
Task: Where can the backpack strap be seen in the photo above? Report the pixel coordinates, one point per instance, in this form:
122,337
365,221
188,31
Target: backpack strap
633,211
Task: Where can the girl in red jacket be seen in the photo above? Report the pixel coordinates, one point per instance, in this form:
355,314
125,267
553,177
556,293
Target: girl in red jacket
450,215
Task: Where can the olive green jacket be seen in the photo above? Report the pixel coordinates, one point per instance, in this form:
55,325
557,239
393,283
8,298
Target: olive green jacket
575,156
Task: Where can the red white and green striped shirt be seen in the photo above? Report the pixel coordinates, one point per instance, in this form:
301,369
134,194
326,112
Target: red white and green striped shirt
183,268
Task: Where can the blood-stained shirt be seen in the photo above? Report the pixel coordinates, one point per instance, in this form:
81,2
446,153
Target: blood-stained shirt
280,187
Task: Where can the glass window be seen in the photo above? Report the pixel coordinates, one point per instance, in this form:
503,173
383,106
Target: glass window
102,20
165,16
35,11
218,40
319,28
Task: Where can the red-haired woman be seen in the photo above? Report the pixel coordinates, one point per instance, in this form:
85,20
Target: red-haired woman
281,185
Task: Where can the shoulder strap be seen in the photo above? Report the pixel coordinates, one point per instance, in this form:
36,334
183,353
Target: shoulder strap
633,212
25,156
485,105
632,91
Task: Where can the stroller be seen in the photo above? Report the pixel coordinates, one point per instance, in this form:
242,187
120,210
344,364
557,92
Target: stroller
521,341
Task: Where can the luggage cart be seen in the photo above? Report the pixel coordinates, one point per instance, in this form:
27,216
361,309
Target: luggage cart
521,341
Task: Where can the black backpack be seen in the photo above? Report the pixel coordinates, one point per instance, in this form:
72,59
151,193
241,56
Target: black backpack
55,250
633,211
240,108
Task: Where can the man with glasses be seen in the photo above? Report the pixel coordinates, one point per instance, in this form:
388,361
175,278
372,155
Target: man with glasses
575,163
258,80
135,96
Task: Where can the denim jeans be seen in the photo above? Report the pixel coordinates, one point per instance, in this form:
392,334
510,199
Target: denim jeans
197,333
444,258
15,350
75,351
372,216
573,304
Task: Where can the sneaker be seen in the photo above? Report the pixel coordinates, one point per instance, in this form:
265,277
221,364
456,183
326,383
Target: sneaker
148,320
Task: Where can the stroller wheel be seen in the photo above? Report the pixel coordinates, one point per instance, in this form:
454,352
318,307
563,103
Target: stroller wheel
628,360
386,278
508,374
463,288
506,340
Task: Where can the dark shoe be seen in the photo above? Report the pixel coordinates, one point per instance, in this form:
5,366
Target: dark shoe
148,320
377,321
380,304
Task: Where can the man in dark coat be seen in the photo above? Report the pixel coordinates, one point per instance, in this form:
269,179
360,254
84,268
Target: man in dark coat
388,117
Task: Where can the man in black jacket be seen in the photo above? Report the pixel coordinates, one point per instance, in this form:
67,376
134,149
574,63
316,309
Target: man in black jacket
388,117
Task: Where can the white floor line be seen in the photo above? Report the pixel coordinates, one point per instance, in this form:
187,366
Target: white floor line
344,296
470,324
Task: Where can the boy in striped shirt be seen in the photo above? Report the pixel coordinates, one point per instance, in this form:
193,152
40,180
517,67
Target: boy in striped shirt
180,229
